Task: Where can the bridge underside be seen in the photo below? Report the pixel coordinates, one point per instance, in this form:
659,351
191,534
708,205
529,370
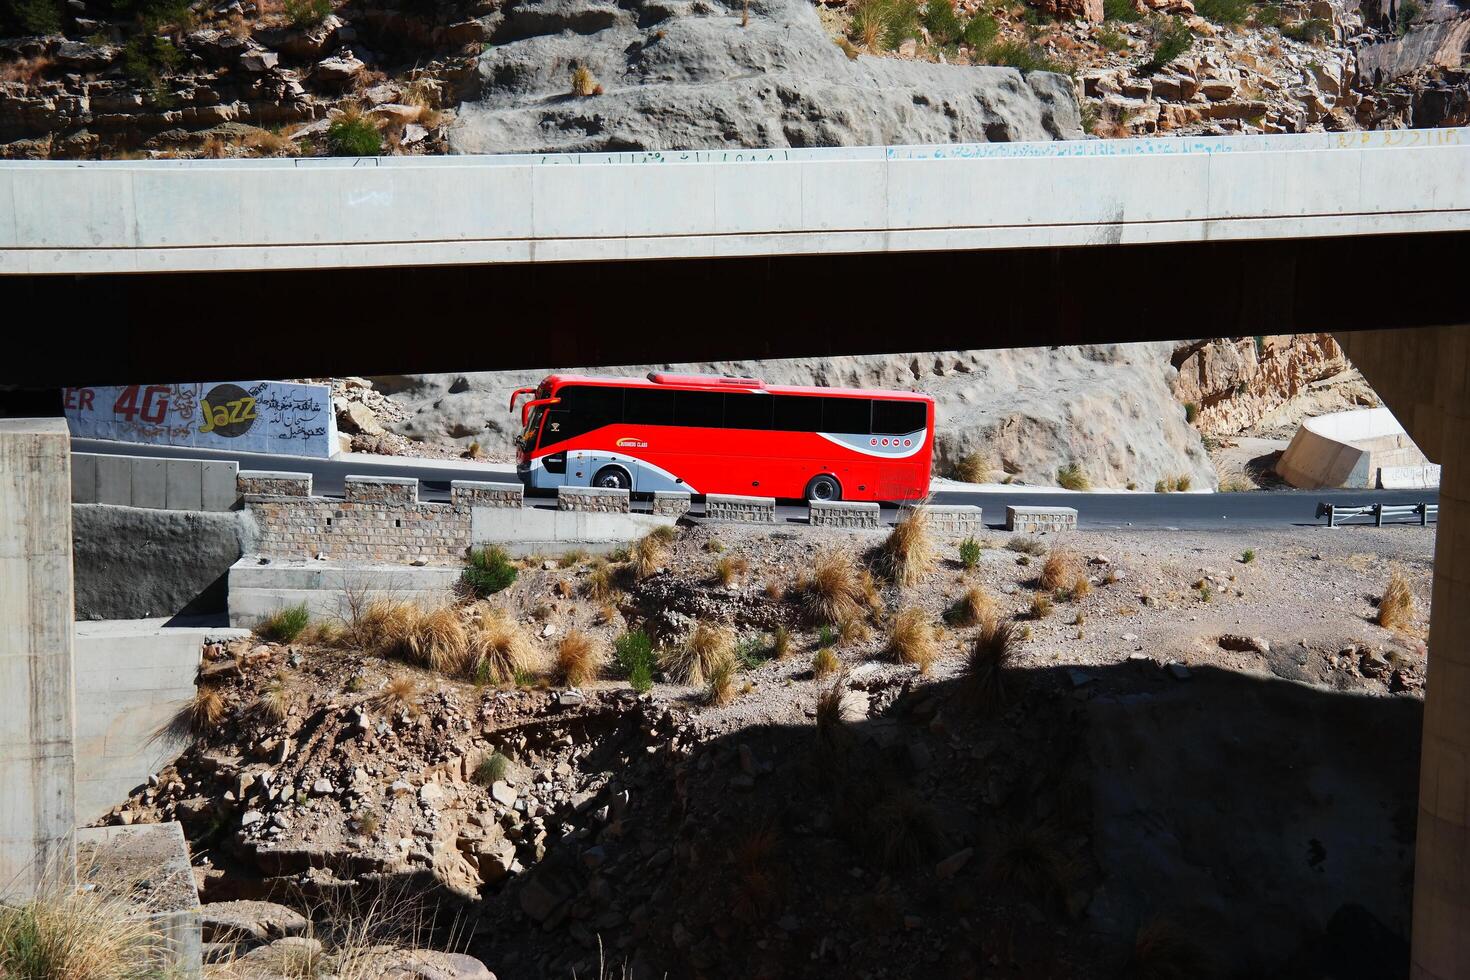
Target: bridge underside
115,329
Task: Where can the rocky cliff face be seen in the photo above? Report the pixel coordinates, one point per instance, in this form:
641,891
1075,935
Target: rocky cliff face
1108,410
1264,386
681,74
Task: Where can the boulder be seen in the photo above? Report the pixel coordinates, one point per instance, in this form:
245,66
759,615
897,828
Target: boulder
245,921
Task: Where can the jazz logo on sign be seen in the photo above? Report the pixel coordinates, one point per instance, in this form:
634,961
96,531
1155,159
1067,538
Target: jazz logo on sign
227,410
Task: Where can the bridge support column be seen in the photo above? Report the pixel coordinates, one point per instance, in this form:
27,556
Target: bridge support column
1424,376
37,782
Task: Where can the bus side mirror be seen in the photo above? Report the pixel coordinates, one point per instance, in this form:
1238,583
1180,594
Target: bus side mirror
515,396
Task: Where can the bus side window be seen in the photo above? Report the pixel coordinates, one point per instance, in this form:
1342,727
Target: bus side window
584,408
747,411
798,413
705,409
645,407
850,415
896,418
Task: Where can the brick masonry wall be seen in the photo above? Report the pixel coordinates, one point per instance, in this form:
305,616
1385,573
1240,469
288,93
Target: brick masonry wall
953,521
467,493
670,503
723,507
844,514
379,521
601,500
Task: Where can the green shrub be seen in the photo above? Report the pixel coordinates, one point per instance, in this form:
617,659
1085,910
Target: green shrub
633,656
1231,12
752,652
1022,56
1111,40
31,16
1170,41
884,24
147,57
1266,15
307,13
970,552
980,31
1308,31
1248,555
1071,477
1409,11
490,571
354,135
1120,10
284,625
826,636
491,770
1191,412
942,23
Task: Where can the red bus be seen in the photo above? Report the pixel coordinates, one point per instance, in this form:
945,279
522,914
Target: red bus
702,433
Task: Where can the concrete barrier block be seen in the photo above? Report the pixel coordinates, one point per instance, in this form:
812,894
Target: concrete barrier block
381,489
474,493
1041,518
267,483
115,480
150,482
950,519
83,478
671,503
733,507
136,856
185,484
844,513
603,500
218,484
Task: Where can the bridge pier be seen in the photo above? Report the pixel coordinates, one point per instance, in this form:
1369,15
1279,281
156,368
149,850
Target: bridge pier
37,763
1424,376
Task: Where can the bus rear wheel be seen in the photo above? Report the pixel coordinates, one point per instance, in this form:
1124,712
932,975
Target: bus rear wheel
824,488
613,478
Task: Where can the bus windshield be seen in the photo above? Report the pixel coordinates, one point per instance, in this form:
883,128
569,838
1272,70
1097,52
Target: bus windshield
533,422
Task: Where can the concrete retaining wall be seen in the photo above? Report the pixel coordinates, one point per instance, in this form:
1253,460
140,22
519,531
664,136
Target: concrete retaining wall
600,500
732,507
1348,449
159,855
532,531
330,589
164,484
132,678
1041,518
845,513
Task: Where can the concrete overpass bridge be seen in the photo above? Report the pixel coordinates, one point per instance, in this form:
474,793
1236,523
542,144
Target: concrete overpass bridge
171,271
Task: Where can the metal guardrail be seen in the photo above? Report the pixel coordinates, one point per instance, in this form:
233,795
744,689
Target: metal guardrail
1380,514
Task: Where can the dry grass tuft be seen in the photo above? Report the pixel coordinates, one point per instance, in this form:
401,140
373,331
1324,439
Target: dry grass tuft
583,82
648,555
205,710
65,934
984,675
399,694
832,590
832,729
1081,587
972,467
911,639
1161,951
720,683
852,631
973,608
438,640
729,568
498,649
781,643
578,658
1061,569
1033,859
601,584
903,831
1396,605
908,554
274,703
1041,605
825,664
697,659
382,626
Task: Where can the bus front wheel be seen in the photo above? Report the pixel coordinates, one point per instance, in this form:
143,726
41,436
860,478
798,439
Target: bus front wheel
613,478
824,488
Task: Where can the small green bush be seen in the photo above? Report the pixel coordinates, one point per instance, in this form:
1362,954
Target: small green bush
307,13
490,571
1022,56
826,636
354,135
31,16
1409,11
980,30
633,656
1071,477
1266,15
1171,40
1191,412
1230,12
1120,10
491,770
1111,40
1248,555
147,57
887,23
970,552
752,652
284,625
943,24
1308,31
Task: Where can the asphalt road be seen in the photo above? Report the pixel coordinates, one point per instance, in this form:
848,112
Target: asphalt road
1194,511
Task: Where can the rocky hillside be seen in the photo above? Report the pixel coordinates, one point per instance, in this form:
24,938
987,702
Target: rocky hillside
224,78
1024,413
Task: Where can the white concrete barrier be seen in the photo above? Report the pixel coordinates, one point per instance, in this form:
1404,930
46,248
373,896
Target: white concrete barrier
533,531
146,481
330,589
1024,518
1348,449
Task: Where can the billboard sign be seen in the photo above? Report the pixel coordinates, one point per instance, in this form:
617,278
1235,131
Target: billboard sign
248,416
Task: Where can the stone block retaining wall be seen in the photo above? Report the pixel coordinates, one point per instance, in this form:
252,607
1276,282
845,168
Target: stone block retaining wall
597,500
729,507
